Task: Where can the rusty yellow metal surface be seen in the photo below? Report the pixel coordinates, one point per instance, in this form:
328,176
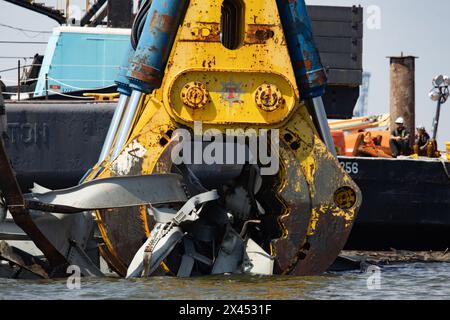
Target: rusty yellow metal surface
323,178
252,86
102,96
231,77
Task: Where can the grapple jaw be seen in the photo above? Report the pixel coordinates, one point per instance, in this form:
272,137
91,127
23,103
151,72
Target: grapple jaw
300,214
320,207
238,120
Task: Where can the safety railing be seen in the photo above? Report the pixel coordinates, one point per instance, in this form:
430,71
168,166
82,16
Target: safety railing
22,79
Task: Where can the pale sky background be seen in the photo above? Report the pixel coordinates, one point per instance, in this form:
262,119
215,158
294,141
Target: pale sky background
415,27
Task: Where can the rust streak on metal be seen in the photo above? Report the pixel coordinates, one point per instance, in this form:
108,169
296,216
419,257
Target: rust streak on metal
204,32
402,96
259,33
23,260
294,221
161,22
149,78
113,263
21,215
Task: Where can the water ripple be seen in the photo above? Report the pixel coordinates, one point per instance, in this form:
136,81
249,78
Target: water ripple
408,281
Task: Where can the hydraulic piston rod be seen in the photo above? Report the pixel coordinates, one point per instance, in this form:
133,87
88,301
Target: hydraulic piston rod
309,72
321,122
127,121
115,122
123,87
150,59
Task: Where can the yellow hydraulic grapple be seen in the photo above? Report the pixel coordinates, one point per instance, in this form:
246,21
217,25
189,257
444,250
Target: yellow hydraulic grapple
310,204
218,159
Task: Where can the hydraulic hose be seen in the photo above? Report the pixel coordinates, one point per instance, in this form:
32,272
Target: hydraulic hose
138,24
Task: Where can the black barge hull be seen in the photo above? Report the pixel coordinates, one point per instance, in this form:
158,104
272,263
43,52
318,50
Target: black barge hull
406,204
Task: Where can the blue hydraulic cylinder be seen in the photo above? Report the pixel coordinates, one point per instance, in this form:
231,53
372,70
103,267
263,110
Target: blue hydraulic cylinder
310,74
155,44
122,81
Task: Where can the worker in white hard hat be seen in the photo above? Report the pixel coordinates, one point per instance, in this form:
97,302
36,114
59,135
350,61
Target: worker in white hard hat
400,139
422,141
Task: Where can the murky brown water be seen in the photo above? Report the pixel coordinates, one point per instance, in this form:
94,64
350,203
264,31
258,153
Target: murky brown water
406,281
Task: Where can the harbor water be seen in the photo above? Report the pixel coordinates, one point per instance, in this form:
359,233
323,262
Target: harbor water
422,281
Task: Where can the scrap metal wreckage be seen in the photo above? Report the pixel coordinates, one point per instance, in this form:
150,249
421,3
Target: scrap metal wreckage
243,70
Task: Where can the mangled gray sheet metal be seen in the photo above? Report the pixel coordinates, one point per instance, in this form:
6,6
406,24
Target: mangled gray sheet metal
117,192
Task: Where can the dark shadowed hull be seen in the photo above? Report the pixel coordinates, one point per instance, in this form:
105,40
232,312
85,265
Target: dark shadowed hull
406,204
